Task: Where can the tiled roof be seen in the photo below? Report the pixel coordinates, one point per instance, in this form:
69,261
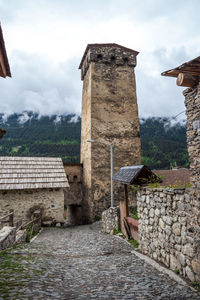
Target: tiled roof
31,173
177,177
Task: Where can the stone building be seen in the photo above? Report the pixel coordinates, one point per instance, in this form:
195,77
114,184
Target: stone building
170,219
109,116
29,183
188,75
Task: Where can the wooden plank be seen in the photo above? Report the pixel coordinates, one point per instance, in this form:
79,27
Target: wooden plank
126,226
124,210
29,223
7,216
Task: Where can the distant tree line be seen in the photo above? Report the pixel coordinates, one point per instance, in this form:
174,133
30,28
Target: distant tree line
163,145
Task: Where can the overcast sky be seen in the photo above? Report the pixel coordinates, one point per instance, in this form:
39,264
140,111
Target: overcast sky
45,41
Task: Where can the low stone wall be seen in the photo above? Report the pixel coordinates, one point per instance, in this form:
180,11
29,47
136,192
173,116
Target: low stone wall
111,220
25,202
169,228
7,237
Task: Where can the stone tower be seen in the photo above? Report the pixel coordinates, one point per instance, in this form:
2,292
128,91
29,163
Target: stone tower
109,116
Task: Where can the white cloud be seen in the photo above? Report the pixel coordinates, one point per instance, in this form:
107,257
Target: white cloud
24,117
45,41
74,119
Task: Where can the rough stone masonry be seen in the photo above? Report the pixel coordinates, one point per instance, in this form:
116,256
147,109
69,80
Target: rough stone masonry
167,232
169,223
109,116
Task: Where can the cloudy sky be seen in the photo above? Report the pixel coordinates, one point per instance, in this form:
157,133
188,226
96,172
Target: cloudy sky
45,41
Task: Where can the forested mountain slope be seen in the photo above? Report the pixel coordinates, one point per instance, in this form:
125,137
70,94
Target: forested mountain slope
163,144
31,135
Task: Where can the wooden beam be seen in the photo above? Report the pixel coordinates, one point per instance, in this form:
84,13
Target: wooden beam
124,210
187,80
2,66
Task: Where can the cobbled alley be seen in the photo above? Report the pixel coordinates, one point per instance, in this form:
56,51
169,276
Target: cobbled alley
81,263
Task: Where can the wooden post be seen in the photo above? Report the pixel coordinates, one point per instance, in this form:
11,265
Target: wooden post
11,218
124,210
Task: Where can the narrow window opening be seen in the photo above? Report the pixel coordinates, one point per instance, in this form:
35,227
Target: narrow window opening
99,56
112,58
75,178
125,59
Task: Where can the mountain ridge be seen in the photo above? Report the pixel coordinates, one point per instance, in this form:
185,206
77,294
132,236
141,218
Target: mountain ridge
163,140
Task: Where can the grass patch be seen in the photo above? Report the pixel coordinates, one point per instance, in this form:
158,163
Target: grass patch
135,215
134,242
196,285
28,234
17,267
97,218
119,232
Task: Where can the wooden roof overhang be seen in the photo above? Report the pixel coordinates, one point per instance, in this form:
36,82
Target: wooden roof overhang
187,74
191,67
4,64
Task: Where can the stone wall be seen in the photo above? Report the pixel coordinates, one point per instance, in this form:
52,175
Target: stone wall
109,115
192,103
25,202
111,220
169,228
73,195
7,237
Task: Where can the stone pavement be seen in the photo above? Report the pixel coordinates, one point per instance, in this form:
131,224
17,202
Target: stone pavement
80,263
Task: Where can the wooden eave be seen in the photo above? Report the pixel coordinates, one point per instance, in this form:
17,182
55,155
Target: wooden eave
4,64
104,45
191,67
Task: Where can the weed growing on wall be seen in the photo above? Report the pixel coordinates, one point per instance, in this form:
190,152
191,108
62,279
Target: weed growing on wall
134,242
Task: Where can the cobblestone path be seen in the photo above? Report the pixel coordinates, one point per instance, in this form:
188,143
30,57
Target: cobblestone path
80,263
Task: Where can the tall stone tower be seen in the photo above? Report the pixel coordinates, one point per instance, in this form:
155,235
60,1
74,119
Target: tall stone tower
109,116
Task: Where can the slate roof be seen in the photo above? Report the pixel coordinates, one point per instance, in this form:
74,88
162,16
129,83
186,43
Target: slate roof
31,173
133,174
